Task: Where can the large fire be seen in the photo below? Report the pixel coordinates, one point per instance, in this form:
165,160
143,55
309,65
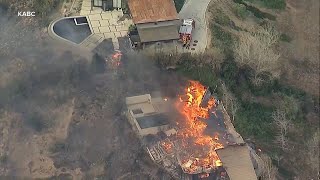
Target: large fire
200,155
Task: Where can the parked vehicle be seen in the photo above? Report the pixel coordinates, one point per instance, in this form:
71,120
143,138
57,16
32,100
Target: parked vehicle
186,32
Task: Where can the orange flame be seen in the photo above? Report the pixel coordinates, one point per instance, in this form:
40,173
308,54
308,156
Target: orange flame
167,146
115,59
192,132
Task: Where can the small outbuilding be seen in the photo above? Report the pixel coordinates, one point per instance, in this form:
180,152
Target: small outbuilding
237,162
146,114
155,20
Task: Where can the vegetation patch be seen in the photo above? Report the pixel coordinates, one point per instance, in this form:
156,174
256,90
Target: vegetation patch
132,28
179,4
272,4
254,120
256,11
222,19
58,147
240,11
44,7
202,74
3,159
36,122
285,38
221,38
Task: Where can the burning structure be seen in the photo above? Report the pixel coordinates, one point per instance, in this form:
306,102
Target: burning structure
202,142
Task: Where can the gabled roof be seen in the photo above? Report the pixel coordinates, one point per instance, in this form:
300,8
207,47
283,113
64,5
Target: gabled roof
145,11
237,162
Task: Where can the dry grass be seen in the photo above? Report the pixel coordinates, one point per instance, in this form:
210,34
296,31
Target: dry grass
300,20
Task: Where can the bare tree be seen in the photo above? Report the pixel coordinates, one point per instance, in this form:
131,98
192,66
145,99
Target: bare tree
234,106
225,96
281,121
269,35
282,140
255,50
290,106
269,172
230,101
278,158
283,124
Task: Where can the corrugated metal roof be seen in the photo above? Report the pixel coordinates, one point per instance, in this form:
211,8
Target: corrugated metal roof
144,11
237,162
158,33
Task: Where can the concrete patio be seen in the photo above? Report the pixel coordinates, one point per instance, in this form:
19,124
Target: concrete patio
105,24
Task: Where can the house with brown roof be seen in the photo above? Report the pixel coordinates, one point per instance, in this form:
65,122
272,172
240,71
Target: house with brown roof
155,20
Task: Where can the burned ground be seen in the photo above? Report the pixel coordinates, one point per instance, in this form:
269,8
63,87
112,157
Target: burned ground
63,119
60,119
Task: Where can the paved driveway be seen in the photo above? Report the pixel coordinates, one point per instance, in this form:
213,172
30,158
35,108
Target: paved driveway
196,9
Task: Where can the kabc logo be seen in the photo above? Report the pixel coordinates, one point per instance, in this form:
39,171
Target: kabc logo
27,13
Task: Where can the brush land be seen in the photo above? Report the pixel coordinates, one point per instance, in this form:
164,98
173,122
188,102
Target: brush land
61,115
263,61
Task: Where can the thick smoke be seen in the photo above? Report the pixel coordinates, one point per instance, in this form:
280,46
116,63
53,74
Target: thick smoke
56,106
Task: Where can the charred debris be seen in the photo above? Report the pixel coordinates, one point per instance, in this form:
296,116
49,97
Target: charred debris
197,140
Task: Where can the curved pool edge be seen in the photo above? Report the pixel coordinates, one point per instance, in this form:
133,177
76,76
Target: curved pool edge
53,35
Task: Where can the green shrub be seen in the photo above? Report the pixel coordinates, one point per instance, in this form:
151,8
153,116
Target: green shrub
286,38
3,159
222,19
229,73
58,147
272,4
241,11
260,14
179,4
221,38
203,74
132,28
254,120
36,122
